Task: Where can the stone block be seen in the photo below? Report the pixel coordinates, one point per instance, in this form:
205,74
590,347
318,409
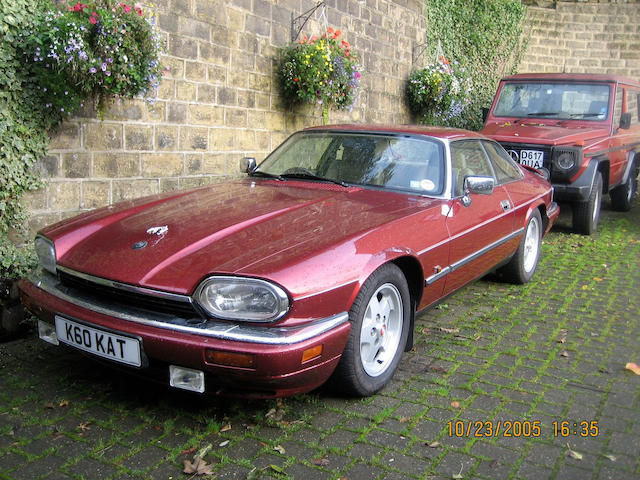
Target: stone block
183,47
246,99
166,137
169,184
138,137
235,117
130,189
76,165
123,110
193,138
215,163
186,91
206,94
275,121
227,96
246,140
64,195
166,89
216,74
193,164
48,166
258,25
212,53
177,112
235,19
95,194
189,27
222,139
184,7
162,165
104,136
156,111
223,36
209,11
209,115
196,71
67,137
113,165
35,199
238,79
174,67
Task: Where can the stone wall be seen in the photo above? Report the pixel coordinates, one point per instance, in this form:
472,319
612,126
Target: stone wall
578,37
219,101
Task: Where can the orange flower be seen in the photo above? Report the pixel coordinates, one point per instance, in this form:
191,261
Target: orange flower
330,30
296,79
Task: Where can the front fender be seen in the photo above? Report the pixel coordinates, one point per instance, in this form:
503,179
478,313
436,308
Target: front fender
580,189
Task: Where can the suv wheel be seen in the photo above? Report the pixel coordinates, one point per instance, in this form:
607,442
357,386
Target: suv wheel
586,214
622,196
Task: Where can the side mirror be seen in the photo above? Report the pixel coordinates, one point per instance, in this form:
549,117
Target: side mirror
485,114
479,184
248,164
625,121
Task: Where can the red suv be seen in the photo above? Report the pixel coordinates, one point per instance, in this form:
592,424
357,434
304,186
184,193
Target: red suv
584,129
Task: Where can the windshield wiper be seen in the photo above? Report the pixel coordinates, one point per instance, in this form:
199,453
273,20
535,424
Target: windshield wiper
584,115
313,177
542,114
259,173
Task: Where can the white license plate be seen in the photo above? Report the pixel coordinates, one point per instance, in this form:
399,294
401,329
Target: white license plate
532,158
99,342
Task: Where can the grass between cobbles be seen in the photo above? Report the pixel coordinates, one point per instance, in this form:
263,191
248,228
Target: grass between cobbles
551,350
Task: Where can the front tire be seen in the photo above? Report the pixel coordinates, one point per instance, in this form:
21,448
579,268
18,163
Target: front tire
522,265
380,321
622,196
586,214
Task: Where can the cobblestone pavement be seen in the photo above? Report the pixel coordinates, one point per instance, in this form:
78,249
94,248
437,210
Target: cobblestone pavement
538,355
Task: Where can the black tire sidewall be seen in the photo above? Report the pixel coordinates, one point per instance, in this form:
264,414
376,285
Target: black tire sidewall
350,370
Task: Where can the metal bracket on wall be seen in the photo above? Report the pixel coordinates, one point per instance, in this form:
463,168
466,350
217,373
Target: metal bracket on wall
417,51
305,16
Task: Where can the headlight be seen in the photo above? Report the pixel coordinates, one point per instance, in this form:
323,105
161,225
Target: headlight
46,253
247,299
565,162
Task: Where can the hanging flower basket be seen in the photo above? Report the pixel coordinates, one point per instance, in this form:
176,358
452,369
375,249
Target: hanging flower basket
439,93
320,70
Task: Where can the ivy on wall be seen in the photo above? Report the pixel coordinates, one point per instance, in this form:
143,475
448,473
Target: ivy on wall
485,37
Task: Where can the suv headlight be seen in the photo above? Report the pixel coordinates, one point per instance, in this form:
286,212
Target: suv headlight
247,299
565,162
46,253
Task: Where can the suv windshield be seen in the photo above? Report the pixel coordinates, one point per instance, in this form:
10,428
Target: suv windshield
567,101
395,162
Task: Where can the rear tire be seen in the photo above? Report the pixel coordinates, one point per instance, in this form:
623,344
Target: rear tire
622,196
522,265
380,320
586,214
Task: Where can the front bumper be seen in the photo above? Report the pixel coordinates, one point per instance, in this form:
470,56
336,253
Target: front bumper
578,190
278,367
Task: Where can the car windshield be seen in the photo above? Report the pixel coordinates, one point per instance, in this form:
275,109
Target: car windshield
567,101
390,161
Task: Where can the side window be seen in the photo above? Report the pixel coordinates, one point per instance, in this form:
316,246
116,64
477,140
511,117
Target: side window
632,106
503,165
468,158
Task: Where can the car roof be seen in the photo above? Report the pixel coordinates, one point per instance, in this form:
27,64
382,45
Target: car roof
573,77
423,130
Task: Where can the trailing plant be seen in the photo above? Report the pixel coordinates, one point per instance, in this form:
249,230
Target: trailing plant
439,93
485,36
320,71
52,59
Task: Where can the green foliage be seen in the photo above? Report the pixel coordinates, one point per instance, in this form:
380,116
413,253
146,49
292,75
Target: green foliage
320,70
439,93
485,36
52,60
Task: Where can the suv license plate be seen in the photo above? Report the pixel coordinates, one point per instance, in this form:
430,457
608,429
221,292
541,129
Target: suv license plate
118,348
532,158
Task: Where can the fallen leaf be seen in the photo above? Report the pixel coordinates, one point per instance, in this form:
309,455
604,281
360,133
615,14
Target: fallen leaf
613,458
188,451
633,367
226,428
564,354
597,279
494,464
321,462
449,330
84,426
455,404
563,340
280,449
276,468
197,467
404,420
433,444
573,454
63,403
224,444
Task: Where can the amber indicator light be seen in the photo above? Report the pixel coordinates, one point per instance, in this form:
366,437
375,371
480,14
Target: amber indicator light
311,353
231,359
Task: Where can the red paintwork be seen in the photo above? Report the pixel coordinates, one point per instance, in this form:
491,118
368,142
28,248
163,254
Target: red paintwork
595,137
319,241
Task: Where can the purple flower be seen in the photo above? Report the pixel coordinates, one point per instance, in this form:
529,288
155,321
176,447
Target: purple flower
92,70
107,73
104,67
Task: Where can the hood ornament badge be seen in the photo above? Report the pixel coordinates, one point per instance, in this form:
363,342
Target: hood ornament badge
159,231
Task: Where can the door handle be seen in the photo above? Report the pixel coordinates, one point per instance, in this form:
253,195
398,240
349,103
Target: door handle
505,204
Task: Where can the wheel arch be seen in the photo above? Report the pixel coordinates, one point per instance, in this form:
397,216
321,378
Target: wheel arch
413,273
